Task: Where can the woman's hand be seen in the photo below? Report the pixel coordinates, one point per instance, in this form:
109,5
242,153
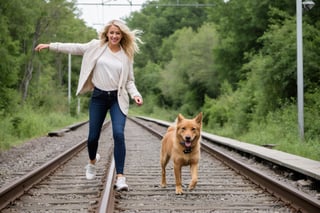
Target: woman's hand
41,46
138,100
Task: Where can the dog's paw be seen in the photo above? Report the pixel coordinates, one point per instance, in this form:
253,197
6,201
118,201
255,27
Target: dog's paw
192,184
163,185
191,187
179,191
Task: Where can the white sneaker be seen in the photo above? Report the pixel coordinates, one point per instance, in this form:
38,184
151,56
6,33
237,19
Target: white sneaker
91,169
121,184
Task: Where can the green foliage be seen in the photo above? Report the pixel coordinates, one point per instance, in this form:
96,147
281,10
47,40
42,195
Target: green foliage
189,75
311,115
29,123
150,78
231,110
47,20
272,71
281,128
162,22
235,61
240,24
6,128
9,67
241,71
34,85
311,56
215,115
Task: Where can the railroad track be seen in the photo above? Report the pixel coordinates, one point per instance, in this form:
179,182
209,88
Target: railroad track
222,186
59,185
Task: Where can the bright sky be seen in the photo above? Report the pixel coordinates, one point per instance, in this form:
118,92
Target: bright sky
98,15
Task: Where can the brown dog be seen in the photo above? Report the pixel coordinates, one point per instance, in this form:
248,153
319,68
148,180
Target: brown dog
181,143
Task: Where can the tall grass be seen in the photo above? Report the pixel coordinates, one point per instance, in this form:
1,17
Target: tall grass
281,129
28,123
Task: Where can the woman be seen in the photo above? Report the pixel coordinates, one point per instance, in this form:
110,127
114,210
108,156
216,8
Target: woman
107,69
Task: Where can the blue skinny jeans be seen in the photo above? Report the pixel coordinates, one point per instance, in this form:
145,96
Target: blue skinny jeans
102,101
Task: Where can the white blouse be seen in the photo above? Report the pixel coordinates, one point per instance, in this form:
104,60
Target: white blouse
106,74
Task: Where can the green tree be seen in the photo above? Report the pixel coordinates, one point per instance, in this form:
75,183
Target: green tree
9,66
60,23
240,24
55,15
190,74
163,21
273,69
43,21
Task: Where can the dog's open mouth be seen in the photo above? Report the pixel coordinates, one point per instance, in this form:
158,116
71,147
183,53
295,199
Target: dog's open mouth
187,144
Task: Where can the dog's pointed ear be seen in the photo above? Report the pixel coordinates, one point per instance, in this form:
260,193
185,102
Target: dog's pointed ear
199,118
180,117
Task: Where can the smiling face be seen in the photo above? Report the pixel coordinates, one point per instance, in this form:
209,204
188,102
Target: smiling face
114,35
188,130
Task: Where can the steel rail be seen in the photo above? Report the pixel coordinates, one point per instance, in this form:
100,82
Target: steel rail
67,129
298,200
17,188
151,130
14,190
106,204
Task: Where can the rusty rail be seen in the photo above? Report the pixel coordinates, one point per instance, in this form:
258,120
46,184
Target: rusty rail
17,188
107,199
300,201
14,190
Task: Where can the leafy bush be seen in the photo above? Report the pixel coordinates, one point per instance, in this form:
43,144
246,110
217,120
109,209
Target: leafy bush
28,123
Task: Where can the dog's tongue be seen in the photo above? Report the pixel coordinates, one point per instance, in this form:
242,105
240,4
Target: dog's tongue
187,144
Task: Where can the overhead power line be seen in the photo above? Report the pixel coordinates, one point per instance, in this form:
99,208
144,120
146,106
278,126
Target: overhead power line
149,4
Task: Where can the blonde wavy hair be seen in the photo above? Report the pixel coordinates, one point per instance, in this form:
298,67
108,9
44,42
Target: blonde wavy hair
130,38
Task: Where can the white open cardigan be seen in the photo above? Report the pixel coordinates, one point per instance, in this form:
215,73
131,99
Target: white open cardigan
91,51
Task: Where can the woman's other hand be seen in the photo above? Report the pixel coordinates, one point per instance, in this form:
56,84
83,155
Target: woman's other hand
41,46
138,100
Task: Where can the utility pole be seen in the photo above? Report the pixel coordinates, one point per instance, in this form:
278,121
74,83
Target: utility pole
307,5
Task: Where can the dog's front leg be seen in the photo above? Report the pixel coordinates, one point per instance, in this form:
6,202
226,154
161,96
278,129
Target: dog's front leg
177,174
163,177
163,161
194,176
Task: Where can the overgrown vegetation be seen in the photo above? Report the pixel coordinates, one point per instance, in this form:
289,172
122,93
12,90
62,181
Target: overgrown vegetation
234,61
33,91
28,123
238,66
